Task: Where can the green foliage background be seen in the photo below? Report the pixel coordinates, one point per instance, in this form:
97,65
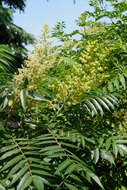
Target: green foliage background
63,114
12,35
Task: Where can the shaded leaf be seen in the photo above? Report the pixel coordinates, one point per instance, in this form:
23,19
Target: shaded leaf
38,182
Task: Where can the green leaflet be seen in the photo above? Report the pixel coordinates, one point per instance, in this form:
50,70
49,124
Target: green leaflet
109,103
70,187
36,97
38,182
98,107
115,149
5,103
110,87
18,166
12,162
41,172
57,155
23,98
123,82
41,165
6,148
113,100
50,148
63,166
24,182
9,153
71,168
1,186
116,84
122,149
75,178
95,155
96,179
18,175
103,103
107,156
92,107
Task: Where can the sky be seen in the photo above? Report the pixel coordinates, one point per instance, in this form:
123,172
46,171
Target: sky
39,12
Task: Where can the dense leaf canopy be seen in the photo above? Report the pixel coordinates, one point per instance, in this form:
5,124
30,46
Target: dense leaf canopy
10,34
14,4
64,113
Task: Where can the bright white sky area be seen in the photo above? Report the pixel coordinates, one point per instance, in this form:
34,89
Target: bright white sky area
39,12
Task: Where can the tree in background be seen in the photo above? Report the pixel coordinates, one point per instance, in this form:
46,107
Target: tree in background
11,34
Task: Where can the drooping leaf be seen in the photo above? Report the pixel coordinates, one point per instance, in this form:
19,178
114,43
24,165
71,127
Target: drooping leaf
23,98
123,82
36,97
12,162
107,156
38,182
96,179
63,166
5,103
24,182
95,155
18,175
70,187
